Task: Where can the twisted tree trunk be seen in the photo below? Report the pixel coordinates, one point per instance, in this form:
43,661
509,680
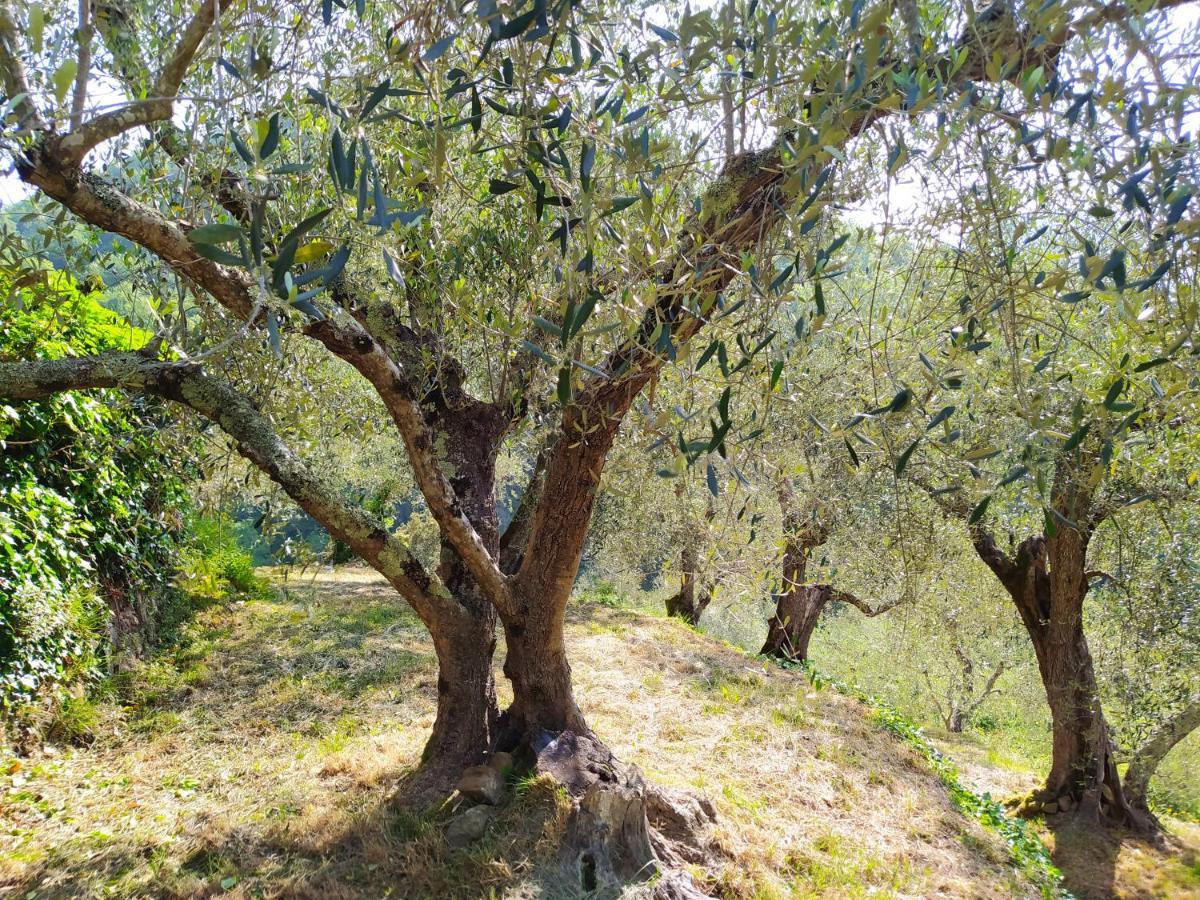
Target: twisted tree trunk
1047,583
797,610
798,605
694,595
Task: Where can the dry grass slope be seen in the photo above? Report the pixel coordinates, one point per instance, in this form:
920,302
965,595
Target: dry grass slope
257,761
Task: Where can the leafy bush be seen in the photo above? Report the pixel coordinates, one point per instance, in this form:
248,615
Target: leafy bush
90,506
215,565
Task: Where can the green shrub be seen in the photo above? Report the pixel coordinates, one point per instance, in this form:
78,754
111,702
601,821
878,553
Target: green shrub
214,563
90,504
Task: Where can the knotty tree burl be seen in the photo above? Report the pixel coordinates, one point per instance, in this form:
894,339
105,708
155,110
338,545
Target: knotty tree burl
499,217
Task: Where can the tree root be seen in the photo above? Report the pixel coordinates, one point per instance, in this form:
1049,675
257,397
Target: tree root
1098,807
622,831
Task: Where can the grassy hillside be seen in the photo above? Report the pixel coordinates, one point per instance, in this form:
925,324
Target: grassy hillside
258,757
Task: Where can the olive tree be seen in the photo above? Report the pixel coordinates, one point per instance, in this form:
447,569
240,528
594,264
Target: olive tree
500,218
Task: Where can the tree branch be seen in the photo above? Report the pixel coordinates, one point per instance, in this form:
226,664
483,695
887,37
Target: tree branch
99,203
16,82
83,65
865,608
186,384
1158,744
160,104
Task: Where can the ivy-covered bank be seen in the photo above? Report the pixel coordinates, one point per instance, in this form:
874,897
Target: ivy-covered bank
92,507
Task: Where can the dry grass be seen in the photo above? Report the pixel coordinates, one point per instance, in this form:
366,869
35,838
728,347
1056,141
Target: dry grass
257,760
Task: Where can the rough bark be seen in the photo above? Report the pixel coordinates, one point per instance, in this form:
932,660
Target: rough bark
797,609
798,605
620,829
694,593
1154,748
1047,583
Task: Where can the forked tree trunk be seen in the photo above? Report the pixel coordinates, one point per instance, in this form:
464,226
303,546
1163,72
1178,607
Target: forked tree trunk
465,727
695,590
467,713
1047,583
798,605
694,596
797,610
536,665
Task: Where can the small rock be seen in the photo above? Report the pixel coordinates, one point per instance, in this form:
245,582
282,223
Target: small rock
482,784
1050,807
468,827
500,761
1065,803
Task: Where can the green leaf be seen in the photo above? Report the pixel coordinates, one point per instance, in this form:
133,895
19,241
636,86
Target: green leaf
1077,438
216,233
497,186
942,415
375,98
64,77
242,150
273,334
618,204
547,326
291,243
1074,296
1114,392
902,462
564,385
436,50
665,33
587,159
537,351
271,140
979,511
216,254
713,487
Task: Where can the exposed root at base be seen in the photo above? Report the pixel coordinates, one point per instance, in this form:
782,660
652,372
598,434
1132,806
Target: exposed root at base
1098,807
622,831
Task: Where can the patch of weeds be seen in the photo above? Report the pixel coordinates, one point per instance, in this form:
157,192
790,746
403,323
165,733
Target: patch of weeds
74,722
523,784
409,826
156,722
336,739
792,714
756,807
604,593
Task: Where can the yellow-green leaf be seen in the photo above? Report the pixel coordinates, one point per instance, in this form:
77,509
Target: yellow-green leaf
313,250
63,79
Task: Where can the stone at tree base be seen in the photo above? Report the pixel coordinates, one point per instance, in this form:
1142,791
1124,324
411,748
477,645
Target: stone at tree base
482,784
500,761
1065,803
469,826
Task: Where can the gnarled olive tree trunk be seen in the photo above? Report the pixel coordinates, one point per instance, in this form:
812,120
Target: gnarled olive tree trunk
694,593
798,605
1046,581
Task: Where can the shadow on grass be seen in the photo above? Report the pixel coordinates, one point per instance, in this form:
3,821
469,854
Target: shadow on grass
376,851
1100,863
